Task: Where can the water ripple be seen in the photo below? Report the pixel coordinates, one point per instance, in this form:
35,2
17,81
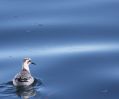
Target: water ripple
7,89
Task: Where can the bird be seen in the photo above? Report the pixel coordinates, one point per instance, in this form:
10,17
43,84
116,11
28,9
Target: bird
24,77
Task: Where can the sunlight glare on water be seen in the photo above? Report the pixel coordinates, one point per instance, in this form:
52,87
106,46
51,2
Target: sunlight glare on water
83,49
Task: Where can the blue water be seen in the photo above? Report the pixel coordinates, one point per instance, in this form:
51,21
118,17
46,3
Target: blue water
75,44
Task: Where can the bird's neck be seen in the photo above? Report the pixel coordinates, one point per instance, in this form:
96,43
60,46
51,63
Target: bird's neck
26,67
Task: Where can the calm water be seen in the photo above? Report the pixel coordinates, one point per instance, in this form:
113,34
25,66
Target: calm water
75,44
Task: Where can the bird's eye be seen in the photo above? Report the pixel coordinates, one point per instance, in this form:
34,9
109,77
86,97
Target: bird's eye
29,61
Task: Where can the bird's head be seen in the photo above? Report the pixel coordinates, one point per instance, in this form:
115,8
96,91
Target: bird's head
28,61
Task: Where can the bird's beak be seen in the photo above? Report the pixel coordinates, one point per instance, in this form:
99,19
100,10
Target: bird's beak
33,63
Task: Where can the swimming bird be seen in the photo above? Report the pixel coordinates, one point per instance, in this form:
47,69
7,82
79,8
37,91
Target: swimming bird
24,77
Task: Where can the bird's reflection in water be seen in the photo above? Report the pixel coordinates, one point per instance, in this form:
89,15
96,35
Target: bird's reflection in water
25,92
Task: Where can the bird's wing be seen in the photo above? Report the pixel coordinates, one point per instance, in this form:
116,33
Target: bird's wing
23,76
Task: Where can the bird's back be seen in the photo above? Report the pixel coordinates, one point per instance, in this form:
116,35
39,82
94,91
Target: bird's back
23,78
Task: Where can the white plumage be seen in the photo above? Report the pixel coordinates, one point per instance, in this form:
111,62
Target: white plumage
24,78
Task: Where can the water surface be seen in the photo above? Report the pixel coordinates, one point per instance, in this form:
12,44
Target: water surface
75,44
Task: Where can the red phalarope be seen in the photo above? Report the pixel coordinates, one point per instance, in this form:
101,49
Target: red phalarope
24,78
